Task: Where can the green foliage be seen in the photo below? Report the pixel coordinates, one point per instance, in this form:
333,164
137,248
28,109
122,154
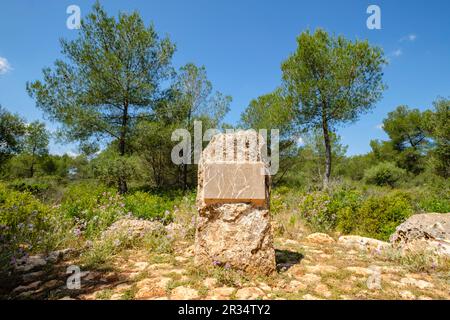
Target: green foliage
92,207
384,174
103,249
346,204
437,126
332,80
110,76
110,166
149,206
12,130
27,225
353,211
378,216
405,128
314,209
435,197
157,242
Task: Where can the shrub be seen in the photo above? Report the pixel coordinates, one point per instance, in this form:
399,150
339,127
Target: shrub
385,173
345,204
314,209
149,206
92,207
102,250
26,226
378,216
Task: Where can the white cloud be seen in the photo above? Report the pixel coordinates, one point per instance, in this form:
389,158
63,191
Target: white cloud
397,53
379,126
4,66
410,37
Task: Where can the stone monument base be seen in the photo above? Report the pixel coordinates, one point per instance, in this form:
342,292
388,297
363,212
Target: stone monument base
235,235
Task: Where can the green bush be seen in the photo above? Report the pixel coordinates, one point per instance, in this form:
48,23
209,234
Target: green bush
314,209
26,226
149,206
378,216
92,207
345,204
384,174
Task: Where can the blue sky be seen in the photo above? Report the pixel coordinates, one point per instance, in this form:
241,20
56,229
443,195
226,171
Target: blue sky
242,44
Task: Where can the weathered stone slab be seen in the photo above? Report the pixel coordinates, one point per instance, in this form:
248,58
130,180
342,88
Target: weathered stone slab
243,181
233,225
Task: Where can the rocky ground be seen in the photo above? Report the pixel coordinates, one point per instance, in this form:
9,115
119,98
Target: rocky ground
314,267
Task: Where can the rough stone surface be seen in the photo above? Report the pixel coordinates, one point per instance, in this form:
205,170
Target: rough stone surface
319,237
30,263
234,232
220,293
363,243
422,246
428,226
249,293
184,293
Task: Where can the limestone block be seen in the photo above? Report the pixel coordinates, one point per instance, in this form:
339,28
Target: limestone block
233,226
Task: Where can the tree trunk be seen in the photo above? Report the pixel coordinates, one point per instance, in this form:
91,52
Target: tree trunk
326,138
122,183
32,163
32,168
185,186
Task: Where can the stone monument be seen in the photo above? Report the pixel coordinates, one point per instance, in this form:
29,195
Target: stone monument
233,226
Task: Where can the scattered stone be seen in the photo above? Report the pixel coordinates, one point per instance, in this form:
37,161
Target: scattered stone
319,237
310,297
434,226
210,282
363,243
295,286
405,294
421,284
323,290
58,255
184,293
33,276
264,286
360,270
221,293
323,269
122,287
30,263
31,287
290,242
249,293
140,266
49,285
181,259
310,278
116,296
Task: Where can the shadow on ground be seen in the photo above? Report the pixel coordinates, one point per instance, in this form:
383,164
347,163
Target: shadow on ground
286,259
